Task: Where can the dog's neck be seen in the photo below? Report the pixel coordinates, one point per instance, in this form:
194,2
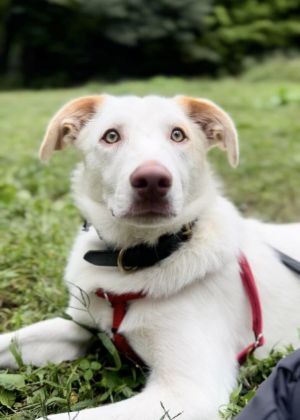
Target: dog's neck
116,234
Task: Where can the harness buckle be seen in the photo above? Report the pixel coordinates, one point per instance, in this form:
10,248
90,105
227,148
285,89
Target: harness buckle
258,341
123,268
105,295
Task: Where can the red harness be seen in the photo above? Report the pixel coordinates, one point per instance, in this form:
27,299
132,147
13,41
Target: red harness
257,319
119,304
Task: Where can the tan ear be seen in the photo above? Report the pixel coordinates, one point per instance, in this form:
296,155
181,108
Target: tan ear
66,124
216,124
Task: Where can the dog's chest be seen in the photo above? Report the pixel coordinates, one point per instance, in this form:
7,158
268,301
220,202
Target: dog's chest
139,324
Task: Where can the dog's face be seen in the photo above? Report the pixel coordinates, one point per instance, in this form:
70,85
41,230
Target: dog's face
144,158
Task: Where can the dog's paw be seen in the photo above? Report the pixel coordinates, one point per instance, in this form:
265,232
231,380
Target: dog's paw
7,360
62,416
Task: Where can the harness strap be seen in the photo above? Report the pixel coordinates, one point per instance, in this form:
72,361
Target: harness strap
257,319
119,305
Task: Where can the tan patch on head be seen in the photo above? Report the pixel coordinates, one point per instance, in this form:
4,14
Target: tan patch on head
216,124
66,124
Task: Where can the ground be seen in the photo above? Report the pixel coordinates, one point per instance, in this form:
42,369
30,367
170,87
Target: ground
38,223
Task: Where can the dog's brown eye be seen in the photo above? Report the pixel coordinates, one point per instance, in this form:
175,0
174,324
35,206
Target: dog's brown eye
178,135
111,136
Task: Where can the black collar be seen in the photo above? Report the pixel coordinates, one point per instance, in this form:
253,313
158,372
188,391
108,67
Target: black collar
140,256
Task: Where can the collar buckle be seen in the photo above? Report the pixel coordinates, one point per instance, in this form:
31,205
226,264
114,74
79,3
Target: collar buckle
123,268
187,230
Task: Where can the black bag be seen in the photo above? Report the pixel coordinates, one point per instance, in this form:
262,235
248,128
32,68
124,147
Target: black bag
278,397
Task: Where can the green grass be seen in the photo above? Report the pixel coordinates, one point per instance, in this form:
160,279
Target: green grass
38,224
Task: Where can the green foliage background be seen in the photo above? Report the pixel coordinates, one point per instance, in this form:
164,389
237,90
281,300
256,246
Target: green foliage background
59,42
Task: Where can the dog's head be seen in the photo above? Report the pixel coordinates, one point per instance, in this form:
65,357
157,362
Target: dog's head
144,158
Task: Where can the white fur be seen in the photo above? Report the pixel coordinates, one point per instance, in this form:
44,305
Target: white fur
196,316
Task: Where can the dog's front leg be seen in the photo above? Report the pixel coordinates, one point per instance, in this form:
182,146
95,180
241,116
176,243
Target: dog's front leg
173,397
53,340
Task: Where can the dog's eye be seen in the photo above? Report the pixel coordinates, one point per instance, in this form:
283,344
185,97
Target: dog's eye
178,135
111,136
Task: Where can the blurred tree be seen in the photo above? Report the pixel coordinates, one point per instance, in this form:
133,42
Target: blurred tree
43,41
149,37
130,22
238,30
4,6
60,42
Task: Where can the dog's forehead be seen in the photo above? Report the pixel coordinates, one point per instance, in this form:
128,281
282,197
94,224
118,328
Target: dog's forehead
143,110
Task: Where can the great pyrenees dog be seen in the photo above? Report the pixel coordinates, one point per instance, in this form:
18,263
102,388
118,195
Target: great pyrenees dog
173,273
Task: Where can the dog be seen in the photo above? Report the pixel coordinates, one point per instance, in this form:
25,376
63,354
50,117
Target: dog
197,280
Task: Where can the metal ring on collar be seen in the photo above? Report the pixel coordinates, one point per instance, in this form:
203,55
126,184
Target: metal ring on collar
123,268
187,230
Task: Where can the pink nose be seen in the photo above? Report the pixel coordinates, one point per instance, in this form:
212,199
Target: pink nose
151,180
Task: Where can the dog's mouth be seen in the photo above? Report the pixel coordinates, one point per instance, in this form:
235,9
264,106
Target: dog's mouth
149,209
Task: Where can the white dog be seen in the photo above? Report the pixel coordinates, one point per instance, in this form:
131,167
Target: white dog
178,251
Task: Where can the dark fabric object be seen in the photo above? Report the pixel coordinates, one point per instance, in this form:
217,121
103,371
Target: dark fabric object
291,263
141,255
278,397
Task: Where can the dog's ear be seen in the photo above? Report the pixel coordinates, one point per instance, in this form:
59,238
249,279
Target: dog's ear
66,124
216,124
